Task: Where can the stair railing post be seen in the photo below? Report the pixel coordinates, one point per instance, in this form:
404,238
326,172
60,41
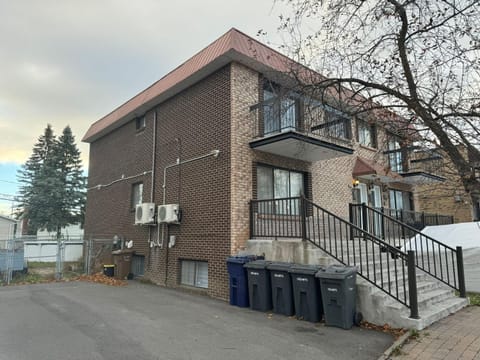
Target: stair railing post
403,222
303,218
461,273
251,219
382,210
412,285
364,219
351,219
423,220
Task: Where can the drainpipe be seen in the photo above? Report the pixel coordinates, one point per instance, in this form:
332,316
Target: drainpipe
152,187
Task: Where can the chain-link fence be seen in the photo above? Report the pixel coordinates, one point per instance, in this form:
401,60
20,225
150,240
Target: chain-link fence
32,258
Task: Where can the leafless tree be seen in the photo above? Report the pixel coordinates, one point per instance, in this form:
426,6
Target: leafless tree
419,58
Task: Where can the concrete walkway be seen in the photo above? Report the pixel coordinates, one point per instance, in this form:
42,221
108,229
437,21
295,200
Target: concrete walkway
454,337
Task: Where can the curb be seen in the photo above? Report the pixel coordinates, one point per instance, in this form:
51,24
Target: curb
398,343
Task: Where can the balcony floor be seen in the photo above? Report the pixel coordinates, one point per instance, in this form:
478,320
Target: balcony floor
300,146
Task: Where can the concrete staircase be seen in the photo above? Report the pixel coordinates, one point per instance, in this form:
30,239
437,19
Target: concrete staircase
435,299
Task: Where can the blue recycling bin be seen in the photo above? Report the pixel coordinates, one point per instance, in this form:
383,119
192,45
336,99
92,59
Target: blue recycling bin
238,279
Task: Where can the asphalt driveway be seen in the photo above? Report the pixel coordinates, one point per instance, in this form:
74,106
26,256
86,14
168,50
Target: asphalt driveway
79,320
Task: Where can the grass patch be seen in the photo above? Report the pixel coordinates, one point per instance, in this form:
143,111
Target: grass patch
414,334
29,278
40,265
474,298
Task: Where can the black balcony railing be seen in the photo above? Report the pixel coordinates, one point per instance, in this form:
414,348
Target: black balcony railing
435,258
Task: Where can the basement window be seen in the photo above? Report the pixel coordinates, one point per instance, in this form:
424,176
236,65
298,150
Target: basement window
194,273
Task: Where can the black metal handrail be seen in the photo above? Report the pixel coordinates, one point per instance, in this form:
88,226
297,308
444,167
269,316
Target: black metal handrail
416,219
432,256
392,271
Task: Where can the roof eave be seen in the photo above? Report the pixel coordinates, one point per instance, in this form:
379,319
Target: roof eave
229,56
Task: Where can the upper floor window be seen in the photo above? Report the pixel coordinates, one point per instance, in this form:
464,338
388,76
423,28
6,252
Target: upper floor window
137,194
140,123
337,124
279,112
395,154
366,134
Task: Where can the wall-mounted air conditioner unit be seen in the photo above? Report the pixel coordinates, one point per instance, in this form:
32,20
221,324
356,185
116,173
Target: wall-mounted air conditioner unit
169,213
145,214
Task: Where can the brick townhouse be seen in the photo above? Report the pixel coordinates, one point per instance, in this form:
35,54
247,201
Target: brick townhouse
218,131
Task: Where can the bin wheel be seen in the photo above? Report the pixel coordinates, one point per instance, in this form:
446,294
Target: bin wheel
357,318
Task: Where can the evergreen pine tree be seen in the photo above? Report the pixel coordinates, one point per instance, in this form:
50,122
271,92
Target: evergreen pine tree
29,173
53,189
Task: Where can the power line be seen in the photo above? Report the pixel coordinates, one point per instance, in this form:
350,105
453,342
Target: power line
10,182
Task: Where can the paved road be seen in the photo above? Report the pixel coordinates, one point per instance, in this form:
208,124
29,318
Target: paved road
84,321
455,337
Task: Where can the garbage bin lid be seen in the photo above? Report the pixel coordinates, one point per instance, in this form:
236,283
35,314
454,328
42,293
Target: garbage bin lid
336,272
280,266
257,264
241,259
122,252
305,269
108,266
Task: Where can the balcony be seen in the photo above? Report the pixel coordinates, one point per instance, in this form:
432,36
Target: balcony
416,166
283,127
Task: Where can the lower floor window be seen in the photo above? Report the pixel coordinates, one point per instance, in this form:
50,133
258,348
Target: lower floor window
401,200
194,273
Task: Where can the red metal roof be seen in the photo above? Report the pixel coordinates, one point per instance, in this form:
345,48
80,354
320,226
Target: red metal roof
233,45
364,167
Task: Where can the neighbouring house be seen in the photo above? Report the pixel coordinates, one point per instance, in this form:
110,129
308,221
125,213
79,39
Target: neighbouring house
8,227
225,142
449,197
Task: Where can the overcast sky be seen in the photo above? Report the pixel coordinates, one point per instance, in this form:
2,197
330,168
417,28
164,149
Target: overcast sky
72,62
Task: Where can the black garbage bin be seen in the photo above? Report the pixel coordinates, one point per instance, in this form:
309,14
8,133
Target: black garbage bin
282,294
338,287
238,279
259,288
306,292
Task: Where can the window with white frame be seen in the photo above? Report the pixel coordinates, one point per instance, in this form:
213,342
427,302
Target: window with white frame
366,133
279,112
194,273
395,154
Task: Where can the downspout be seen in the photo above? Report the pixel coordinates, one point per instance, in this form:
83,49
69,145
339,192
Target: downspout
179,161
152,187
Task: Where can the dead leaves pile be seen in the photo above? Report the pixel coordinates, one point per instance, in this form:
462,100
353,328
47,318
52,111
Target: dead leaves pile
102,279
396,333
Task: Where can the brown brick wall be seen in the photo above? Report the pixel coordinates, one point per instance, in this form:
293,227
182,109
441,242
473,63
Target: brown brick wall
199,118
245,93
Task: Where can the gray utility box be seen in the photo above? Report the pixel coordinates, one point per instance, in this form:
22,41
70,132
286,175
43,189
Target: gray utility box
282,294
259,288
338,287
306,292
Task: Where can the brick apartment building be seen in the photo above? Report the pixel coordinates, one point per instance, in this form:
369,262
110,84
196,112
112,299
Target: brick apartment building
221,130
